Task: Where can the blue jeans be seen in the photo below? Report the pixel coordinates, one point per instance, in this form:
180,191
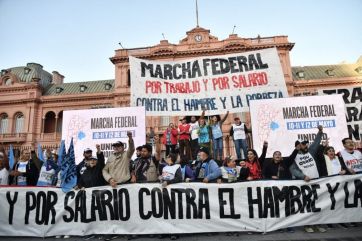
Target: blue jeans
241,144
217,147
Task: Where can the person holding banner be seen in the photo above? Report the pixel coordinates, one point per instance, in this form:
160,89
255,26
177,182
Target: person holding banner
147,168
48,171
25,171
207,169
4,172
117,168
217,140
239,131
255,163
171,173
351,156
87,154
169,139
187,172
330,163
184,138
229,171
305,166
278,168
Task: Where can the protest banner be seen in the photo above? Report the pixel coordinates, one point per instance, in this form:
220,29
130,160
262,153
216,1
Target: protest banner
259,206
352,98
104,127
283,121
217,83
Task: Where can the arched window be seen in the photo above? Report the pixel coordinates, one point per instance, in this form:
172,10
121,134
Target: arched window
4,120
49,123
19,123
60,122
8,81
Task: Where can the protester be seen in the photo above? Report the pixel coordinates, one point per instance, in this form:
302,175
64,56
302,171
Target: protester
188,174
229,171
147,168
278,168
194,134
25,171
244,170
171,173
4,172
207,169
239,132
117,168
351,156
138,157
92,176
254,163
169,139
184,138
48,171
330,164
87,154
305,166
204,134
217,136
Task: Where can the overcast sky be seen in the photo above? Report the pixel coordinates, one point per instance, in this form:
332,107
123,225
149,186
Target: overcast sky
77,37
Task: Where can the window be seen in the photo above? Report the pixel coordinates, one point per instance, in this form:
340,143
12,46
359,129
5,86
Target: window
4,123
165,121
58,90
359,69
107,86
19,123
49,122
8,82
82,88
300,74
329,72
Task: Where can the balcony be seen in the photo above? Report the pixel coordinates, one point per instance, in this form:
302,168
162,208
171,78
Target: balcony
49,137
13,137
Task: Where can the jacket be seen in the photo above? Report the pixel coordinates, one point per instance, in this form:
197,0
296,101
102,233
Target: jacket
212,170
173,136
118,166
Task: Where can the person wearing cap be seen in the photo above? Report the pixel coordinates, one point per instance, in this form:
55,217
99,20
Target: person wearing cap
147,168
87,154
184,138
217,136
169,139
117,168
207,169
92,175
194,134
306,167
4,172
239,131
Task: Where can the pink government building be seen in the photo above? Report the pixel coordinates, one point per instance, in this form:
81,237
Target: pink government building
32,100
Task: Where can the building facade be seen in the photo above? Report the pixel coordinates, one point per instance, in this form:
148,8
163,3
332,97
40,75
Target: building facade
32,100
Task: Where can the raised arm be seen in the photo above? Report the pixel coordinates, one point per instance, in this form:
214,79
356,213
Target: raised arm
314,147
224,118
131,147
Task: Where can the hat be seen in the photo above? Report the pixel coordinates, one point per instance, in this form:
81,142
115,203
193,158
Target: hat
118,143
87,150
205,150
300,142
93,158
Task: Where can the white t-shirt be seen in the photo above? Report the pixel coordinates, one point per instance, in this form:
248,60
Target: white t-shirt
307,165
4,176
239,131
194,127
169,172
46,177
353,160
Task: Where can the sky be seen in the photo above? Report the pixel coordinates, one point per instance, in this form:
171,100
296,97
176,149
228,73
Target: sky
77,37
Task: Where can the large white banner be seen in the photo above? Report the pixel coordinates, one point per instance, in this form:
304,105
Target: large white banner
283,121
352,97
218,83
259,206
104,127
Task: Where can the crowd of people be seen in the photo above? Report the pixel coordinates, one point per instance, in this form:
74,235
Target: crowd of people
193,161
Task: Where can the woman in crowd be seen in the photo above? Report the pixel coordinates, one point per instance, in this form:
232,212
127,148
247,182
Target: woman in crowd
169,139
25,172
254,163
48,171
217,136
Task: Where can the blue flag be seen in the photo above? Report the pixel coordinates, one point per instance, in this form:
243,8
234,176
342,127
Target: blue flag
11,158
69,170
61,153
40,153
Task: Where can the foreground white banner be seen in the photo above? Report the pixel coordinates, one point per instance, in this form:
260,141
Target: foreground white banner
104,127
352,98
283,121
259,206
217,83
